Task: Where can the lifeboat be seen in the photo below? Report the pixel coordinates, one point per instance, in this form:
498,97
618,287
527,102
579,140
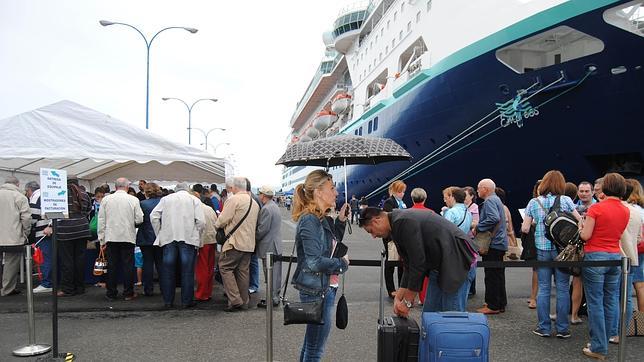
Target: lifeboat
305,138
313,132
340,103
324,119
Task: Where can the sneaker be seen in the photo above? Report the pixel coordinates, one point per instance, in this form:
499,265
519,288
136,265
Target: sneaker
541,333
41,289
613,340
563,335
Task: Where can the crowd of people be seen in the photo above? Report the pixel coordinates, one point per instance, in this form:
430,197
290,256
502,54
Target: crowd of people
438,251
609,216
172,232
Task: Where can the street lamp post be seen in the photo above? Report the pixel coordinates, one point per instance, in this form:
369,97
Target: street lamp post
148,44
217,146
189,108
206,134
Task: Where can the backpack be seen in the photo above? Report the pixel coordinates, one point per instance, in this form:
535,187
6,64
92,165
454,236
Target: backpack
561,226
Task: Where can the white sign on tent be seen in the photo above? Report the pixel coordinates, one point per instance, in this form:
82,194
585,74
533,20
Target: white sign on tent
53,186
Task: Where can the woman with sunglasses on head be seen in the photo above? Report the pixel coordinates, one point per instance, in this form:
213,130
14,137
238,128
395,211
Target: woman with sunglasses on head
316,274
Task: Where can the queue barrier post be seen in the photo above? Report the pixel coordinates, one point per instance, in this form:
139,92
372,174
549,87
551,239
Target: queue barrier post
269,307
625,294
31,349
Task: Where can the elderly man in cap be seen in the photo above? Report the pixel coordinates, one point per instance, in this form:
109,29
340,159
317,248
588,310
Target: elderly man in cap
428,245
268,238
177,221
15,225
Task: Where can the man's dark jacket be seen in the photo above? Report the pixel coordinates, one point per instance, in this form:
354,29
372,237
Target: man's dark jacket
427,241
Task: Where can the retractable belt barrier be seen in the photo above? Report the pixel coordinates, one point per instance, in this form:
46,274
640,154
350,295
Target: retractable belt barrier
486,264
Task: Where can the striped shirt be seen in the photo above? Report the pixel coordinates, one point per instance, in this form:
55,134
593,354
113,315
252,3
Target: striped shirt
76,227
37,222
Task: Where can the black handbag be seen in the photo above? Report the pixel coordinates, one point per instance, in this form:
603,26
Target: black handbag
221,236
305,312
573,252
529,247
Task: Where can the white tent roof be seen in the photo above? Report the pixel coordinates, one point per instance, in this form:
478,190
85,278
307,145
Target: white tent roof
96,147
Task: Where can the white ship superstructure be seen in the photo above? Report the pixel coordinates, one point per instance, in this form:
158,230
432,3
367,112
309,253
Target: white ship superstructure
380,53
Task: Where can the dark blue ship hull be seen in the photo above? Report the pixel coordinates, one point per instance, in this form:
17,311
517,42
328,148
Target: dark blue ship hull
588,125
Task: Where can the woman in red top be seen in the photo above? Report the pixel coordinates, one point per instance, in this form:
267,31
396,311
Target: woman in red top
603,226
418,197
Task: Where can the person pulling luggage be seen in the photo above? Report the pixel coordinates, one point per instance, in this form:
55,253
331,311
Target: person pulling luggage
428,244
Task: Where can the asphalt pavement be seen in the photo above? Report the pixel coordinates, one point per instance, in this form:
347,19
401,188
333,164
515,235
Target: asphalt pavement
94,329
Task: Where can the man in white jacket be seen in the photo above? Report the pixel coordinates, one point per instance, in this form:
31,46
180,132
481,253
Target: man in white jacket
117,219
177,221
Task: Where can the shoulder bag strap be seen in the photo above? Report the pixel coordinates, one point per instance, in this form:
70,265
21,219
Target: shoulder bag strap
288,275
464,216
540,204
250,205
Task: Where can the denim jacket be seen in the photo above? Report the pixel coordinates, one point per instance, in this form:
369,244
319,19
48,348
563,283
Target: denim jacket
313,240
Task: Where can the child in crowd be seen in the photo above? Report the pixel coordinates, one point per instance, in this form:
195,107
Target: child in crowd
138,264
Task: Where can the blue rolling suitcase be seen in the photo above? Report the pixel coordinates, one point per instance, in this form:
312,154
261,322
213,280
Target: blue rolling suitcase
454,336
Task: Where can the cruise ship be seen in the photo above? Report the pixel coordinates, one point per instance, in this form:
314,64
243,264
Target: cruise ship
501,89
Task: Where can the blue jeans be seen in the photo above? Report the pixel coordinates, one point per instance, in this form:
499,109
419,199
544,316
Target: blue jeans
186,253
614,329
601,284
45,268
438,301
316,335
253,271
562,281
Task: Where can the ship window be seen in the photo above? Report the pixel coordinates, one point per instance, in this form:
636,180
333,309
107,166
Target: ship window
555,46
381,32
429,5
402,7
395,15
360,131
418,17
629,17
388,22
377,84
409,26
393,43
409,58
356,132
370,127
400,35
375,124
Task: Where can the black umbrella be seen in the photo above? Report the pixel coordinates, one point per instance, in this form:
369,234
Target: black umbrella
343,150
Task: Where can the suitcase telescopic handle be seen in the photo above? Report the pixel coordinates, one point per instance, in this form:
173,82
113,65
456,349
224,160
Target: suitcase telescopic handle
381,305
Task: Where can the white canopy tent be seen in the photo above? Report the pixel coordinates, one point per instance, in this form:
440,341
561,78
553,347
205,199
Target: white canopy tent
97,148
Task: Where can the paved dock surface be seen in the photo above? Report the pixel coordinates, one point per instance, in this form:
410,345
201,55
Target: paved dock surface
97,330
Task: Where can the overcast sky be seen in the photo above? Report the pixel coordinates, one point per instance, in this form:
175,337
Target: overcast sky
256,57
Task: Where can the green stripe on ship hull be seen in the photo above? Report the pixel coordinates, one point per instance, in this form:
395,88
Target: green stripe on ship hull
523,28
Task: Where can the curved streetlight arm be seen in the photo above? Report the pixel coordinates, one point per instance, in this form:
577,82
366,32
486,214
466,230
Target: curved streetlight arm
191,30
180,100
108,23
201,99
217,146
